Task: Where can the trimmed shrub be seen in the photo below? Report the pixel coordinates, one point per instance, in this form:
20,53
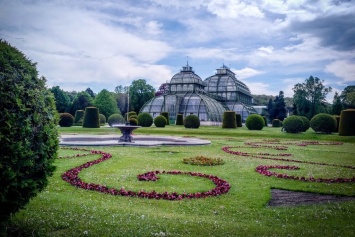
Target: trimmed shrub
160,121
115,119
145,120
66,120
133,121
337,118
179,119
28,132
265,120
293,124
323,123
79,116
133,116
166,115
255,122
91,118
191,121
276,123
238,119
229,120
306,123
102,119
347,123
130,114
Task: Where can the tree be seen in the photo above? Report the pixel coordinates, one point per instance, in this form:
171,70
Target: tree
106,103
309,97
348,97
337,106
90,92
163,89
121,89
62,100
81,101
28,134
139,93
121,98
277,109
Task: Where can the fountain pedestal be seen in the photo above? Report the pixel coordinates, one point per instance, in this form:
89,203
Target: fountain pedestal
126,131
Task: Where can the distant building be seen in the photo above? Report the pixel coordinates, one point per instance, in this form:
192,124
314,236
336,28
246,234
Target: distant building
188,94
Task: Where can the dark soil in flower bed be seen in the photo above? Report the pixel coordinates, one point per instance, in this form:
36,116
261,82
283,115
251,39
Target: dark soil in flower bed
280,197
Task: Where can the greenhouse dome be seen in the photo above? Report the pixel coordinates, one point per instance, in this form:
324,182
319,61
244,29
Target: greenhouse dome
187,94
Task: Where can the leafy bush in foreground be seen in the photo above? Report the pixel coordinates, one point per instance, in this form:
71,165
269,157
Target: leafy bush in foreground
28,135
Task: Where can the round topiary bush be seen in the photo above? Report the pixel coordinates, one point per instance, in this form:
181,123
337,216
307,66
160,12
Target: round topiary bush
293,124
229,120
238,119
179,119
276,123
28,132
133,121
192,121
145,120
66,120
306,123
91,118
323,123
102,119
166,115
255,122
115,119
79,115
337,118
160,121
347,124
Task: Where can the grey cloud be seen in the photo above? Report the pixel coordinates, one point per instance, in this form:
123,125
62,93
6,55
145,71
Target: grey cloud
336,31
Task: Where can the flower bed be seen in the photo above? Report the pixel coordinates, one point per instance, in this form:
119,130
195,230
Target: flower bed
204,161
72,176
277,145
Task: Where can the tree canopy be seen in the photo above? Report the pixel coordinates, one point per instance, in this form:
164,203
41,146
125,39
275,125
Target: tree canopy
81,101
62,100
139,93
277,108
309,97
106,103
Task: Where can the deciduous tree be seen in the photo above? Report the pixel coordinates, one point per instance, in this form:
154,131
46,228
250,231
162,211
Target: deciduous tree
139,93
106,103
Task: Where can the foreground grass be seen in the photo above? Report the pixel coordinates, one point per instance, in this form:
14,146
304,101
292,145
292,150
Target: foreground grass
63,210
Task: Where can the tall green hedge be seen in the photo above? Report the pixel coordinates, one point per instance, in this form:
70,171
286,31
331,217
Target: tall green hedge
28,132
91,118
238,119
179,119
166,115
79,114
347,123
229,120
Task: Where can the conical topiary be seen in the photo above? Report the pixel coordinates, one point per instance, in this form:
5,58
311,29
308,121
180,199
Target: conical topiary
166,115
238,119
91,118
179,119
79,114
347,123
229,120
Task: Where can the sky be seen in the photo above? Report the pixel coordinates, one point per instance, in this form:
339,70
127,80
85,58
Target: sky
271,45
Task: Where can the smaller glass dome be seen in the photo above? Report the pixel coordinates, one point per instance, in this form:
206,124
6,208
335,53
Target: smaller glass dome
186,76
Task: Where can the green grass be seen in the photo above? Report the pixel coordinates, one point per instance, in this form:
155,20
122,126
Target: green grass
63,210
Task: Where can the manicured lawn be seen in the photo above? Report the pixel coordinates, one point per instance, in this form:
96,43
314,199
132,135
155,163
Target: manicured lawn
64,210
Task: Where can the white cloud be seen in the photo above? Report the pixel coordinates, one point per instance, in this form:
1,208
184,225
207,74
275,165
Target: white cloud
342,69
234,9
246,73
259,88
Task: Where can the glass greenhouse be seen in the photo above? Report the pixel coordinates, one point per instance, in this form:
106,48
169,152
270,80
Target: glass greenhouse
188,94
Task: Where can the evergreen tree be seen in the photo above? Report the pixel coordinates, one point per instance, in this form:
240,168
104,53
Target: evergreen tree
337,106
81,101
277,109
90,92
